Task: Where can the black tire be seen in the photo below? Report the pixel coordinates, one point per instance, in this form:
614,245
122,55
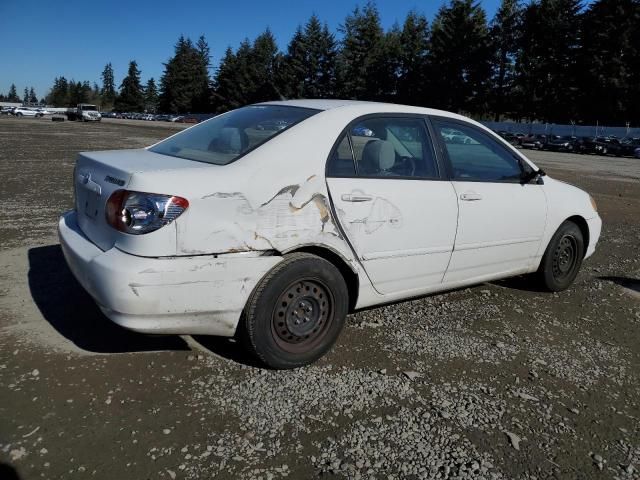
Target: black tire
18,114
296,312
562,259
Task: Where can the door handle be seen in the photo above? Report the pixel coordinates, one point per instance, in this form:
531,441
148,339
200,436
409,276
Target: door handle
470,197
350,197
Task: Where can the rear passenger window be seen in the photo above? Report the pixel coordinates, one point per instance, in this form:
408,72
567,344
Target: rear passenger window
341,161
386,147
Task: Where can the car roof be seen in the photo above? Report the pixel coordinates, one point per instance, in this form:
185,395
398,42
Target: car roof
363,107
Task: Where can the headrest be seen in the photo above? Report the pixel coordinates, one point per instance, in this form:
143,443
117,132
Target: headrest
378,156
230,140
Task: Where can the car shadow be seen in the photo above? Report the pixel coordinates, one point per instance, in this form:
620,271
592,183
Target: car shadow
526,283
229,349
626,282
7,472
73,313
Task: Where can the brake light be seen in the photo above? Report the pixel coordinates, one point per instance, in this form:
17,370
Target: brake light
138,213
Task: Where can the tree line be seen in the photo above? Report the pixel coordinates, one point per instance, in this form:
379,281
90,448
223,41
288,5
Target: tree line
29,96
547,60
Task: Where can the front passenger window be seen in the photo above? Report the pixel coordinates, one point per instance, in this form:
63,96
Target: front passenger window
475,156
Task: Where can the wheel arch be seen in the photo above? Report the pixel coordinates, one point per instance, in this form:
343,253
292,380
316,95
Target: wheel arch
348,273
584,229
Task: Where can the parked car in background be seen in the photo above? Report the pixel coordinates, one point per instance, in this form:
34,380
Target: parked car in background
278,234
6,110
509,137
536,142
628,146
26,112
558,143
608,146
189,119
585,145
636,153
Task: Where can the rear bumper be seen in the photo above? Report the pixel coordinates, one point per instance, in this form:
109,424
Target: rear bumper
202,295
595,227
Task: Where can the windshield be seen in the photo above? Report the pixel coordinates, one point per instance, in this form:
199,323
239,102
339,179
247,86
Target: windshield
88,107
227,137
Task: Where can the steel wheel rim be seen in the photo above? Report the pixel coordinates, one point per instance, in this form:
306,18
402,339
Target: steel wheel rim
302,316
564,257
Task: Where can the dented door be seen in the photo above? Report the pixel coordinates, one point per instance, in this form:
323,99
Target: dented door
402,230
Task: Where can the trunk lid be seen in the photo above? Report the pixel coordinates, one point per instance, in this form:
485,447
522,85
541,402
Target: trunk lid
99,174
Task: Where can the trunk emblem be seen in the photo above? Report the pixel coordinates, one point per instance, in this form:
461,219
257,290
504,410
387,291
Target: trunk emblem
115,181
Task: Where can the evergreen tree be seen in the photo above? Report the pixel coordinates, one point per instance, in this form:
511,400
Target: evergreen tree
414,42
79,92
13,94
388,69
263,68
293,75
505,40
232,79
32,96
460,58
202,97
25,97
131,97
547,62
108,92
309,67
608,28
362,49
59,94
151,96
185,82
632,63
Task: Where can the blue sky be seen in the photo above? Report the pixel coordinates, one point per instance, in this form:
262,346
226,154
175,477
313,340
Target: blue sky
44,39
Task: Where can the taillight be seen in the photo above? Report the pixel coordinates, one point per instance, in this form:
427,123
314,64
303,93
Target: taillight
138,213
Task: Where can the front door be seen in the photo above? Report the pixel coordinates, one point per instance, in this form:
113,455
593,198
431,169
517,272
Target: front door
394,203
501,220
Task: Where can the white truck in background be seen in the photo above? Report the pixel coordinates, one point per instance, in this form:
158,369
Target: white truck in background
84,112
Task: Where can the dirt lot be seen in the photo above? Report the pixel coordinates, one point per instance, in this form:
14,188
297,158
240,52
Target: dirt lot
498,381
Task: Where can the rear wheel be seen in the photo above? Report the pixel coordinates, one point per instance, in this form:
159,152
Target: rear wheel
563,258
296,312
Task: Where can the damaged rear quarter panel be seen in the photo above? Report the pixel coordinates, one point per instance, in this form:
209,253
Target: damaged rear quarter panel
273,199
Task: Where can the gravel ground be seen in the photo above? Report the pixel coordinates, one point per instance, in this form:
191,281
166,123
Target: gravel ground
499,381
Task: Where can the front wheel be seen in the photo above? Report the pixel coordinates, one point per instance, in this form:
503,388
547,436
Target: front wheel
296,312
563,258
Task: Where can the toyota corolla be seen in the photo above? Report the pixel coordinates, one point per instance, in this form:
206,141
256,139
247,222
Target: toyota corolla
276,234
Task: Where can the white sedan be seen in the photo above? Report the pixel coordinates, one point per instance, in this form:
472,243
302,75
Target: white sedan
274,235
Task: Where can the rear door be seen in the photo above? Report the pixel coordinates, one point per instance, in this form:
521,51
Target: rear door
398,210
501,220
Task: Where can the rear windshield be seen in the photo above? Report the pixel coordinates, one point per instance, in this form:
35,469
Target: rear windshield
227,137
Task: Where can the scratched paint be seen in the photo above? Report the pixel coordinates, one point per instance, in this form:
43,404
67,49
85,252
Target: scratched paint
296,214
383,213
